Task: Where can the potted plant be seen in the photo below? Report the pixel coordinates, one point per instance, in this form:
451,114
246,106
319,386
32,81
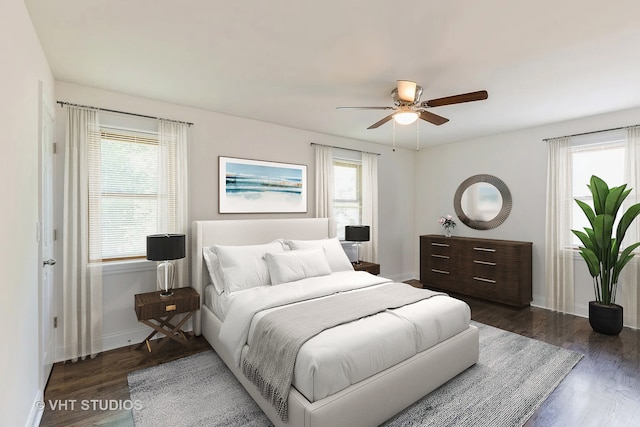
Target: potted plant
603,253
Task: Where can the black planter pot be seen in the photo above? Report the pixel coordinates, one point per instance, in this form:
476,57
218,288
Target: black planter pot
605,319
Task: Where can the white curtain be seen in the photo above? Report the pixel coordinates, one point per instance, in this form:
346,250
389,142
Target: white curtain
173,211
628,291
324,181
370,204
81,280
559,258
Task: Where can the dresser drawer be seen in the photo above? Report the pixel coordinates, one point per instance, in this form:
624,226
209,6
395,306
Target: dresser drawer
440,276
151,305
483,287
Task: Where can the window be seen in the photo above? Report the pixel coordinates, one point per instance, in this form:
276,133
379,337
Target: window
125,195
601,154
347,195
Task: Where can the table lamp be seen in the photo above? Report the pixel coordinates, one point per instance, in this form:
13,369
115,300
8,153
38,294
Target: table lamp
165,247
357,233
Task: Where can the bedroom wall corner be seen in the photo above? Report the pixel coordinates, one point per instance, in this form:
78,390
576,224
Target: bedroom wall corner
396,209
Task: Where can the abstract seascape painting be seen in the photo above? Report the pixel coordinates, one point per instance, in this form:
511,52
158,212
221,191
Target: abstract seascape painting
256,186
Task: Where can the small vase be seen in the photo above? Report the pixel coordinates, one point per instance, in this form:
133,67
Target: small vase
447,232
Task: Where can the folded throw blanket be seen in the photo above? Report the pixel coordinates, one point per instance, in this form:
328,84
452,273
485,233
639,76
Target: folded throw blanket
279,335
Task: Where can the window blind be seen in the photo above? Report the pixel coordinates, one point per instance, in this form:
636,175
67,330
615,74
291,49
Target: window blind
347,202
126,193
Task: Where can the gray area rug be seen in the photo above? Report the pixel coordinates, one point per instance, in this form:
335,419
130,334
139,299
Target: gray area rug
513,377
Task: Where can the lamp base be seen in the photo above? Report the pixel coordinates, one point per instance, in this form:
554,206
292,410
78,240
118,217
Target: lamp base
166,266
358,262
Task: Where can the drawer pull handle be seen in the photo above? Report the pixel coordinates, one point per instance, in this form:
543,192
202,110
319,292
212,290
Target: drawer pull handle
439,271
171,307
484,262
439,244
439,256
484,249
482,279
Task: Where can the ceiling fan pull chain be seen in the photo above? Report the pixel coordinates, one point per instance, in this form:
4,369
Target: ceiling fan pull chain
418,135
394,136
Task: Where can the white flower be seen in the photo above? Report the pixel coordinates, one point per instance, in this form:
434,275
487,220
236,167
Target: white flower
447,221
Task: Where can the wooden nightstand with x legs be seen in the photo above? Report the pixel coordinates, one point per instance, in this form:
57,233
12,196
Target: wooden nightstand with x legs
157,312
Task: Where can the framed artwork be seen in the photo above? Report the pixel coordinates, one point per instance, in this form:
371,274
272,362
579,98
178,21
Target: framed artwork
255,186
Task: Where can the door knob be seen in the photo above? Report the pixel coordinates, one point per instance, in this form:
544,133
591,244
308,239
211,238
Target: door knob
50,261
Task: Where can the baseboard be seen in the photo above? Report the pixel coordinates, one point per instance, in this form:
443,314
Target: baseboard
35,415
124,339
579,310
539,303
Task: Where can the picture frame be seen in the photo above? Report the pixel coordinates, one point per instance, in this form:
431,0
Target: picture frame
258,186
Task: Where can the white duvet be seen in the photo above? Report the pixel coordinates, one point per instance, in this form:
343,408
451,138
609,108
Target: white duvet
347,354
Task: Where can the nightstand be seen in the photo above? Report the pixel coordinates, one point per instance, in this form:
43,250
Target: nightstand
157,312
367,266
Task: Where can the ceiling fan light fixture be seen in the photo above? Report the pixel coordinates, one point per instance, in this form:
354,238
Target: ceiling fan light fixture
407,90
405,117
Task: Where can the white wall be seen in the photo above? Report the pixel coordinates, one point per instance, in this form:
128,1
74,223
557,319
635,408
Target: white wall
214,135
520,160
24,69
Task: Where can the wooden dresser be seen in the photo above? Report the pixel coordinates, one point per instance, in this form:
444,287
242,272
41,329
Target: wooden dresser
495,270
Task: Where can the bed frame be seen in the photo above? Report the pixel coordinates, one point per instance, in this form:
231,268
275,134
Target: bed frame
367,403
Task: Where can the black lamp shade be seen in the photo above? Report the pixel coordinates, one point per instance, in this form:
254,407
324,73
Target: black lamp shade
164,247
356,233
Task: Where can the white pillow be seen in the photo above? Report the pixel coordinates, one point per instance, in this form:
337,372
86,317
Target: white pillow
244,267
215,272
296,265
336,257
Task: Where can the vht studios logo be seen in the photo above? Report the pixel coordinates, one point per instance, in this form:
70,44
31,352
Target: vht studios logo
89,405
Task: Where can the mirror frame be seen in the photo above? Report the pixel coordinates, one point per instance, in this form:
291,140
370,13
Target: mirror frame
499,218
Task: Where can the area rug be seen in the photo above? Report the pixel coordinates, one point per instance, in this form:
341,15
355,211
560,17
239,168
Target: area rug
511,380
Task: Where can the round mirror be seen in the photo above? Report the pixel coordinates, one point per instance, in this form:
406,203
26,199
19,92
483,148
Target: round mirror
482,202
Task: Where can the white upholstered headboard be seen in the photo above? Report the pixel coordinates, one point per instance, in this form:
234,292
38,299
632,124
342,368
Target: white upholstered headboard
246,232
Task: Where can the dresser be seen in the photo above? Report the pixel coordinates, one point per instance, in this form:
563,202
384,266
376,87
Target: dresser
495,270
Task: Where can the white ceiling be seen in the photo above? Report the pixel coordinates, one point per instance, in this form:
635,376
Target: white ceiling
292,62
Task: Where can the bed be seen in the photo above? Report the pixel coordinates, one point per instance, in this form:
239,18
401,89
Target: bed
359,397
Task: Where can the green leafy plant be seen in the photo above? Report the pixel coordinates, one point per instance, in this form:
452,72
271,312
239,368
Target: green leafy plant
600,249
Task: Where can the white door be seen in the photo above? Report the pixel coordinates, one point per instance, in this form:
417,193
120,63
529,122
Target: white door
46,294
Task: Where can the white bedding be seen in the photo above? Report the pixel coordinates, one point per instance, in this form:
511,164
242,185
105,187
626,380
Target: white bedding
344,355
216,302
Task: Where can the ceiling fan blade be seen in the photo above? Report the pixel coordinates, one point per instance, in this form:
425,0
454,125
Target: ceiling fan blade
407,90
457,99
364,108
381,122
433,118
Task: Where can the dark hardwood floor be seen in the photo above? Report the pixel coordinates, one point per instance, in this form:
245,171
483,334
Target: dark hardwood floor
104,379
602,390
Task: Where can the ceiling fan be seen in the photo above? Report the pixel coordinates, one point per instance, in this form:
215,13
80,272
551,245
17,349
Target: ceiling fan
408,108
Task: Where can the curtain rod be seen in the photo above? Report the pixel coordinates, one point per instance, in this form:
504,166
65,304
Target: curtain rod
342,148
589,133
62,104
